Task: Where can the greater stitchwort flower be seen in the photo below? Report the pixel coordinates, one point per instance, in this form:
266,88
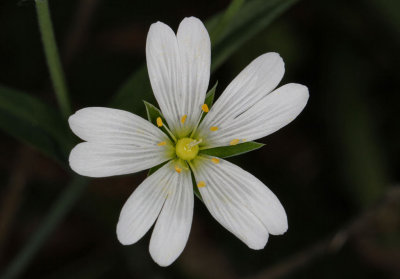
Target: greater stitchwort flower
119,142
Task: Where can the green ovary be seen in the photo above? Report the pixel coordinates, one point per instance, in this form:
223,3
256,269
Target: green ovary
187,149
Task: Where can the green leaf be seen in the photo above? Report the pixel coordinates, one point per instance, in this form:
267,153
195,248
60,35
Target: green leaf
248,20
35,123
252,18
232,150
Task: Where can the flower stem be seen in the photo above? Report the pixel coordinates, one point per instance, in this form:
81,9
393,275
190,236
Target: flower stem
52,56
59,209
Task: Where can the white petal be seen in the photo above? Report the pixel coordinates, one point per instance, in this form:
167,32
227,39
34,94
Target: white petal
258,79
179,70
171,231
240,202
143,206
114,126
100,160
163,65
195,52
273,112
119,142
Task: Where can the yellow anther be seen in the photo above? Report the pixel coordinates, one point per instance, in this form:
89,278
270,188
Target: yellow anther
204,107
159,122
183,119
213,128
178,169
201,184
234,142
215,160
162,143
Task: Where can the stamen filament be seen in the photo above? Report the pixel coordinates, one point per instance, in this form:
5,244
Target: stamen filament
204,109
161,124
170,133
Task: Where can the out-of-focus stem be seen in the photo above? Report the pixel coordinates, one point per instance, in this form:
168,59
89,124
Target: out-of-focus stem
226,18
52,56
56,213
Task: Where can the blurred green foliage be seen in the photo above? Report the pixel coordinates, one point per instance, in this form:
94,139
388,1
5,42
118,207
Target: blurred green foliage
331,163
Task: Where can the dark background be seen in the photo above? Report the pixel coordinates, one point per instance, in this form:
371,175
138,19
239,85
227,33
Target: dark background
335,168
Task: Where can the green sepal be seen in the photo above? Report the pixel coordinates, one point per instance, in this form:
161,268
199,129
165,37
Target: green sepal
209,99
153,113
155,168
195,188
210,96
232,150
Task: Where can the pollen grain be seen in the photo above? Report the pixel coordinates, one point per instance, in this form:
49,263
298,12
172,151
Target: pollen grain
234,142
162,143
201,184
183,119
159,122
204,107
178,169
215,160
213,128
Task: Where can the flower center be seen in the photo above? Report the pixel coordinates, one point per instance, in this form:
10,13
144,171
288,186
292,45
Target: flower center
187,148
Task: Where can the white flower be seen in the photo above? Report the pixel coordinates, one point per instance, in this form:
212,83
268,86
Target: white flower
119,142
